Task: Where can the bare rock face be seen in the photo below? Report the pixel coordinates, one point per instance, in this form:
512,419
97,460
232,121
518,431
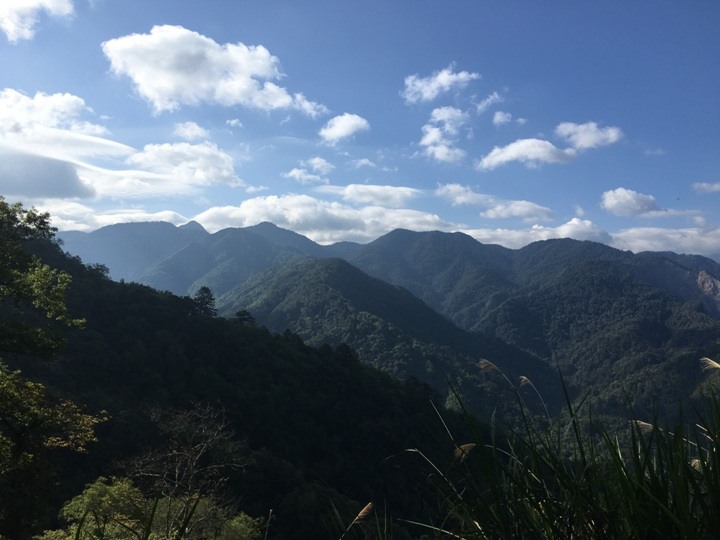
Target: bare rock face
709,286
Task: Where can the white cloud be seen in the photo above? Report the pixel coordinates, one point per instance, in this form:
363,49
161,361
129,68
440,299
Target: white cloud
462,195
172,66
28,175
392,196
20,113
516,238
485,104
705,187
304,177
626,202
166,170
501,118
526,210
531,152
190,131
322,221
363,162
53,126
343,126
310,108
71,216
699,240
440,134
419,89
588,135
234,122
319,165
19,17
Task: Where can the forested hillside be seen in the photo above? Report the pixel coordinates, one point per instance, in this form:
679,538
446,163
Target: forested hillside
306,436
615,323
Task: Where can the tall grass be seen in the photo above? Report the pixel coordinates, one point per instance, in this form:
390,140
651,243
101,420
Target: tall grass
553,480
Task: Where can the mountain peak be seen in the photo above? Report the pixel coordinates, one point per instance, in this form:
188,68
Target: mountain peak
192,226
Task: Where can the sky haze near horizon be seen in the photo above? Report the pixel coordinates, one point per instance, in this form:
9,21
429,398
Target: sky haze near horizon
509,121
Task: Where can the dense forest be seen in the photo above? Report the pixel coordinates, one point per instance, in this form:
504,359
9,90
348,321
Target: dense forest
116,389
130,412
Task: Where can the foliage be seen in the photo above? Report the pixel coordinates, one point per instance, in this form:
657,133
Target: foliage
558,482
33,420
205,303
116,509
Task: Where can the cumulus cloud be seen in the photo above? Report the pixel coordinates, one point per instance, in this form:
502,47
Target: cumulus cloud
173,66
501,118
626,202
322,221
343,126
531,152
705,187
516,238
485,104
234,122
588,135
418,89
391,196
190,131
163,170
441,132
19,17
699,240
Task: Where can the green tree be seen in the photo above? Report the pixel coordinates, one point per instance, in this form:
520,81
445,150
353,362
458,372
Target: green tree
33,421
205,303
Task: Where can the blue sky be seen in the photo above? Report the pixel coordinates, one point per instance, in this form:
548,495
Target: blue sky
510,121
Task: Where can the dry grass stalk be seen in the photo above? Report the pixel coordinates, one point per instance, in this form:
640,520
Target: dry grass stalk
365,512
487,365
462,451
709,364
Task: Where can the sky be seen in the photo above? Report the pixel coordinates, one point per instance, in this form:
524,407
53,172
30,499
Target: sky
511,121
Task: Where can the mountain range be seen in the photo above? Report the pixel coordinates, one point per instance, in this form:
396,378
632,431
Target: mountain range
438,306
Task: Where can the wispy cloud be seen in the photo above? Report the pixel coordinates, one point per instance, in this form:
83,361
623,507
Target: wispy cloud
418,89
391,196
485,104
495,207
706,187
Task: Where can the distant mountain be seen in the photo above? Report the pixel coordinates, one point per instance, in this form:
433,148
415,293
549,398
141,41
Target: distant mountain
222,260
613,321
331,301
129,249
